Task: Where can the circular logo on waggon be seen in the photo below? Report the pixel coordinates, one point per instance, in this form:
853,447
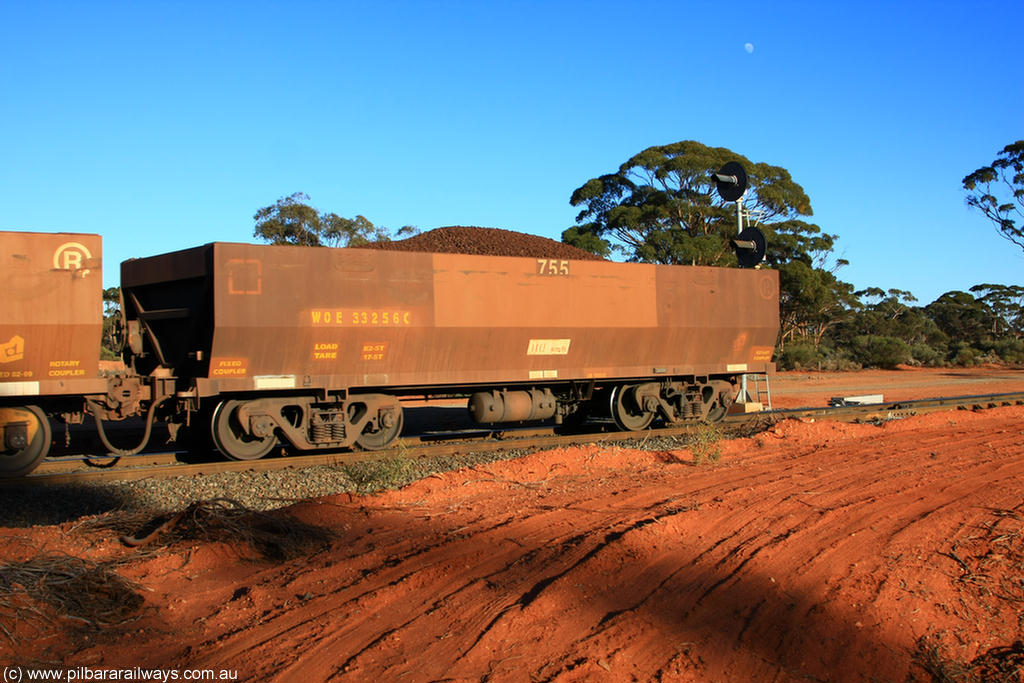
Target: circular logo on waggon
71,256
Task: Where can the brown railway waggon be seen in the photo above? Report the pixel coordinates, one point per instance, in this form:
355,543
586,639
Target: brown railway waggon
316,348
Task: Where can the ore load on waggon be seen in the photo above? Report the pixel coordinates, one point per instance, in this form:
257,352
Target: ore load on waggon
316,348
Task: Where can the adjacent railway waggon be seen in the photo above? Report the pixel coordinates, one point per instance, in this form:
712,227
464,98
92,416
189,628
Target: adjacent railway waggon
316,348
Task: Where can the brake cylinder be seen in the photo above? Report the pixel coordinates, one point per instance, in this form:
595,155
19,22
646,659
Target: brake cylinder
487,407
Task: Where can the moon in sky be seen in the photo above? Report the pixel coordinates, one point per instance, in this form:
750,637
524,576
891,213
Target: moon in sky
749,47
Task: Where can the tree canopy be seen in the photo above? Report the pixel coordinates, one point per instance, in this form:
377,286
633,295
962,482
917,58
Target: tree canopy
661,206
997,191
110,344
292,221
1006,304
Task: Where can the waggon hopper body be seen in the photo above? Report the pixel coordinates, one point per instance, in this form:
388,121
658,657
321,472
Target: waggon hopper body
319,345
244,318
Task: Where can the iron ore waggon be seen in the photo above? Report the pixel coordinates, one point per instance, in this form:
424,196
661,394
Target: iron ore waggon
316,348
50,325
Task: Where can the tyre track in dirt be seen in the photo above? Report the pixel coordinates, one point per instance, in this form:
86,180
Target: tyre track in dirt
814,551
743,551
804,536
491,591
438,563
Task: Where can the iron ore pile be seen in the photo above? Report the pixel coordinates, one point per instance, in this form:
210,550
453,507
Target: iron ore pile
461,239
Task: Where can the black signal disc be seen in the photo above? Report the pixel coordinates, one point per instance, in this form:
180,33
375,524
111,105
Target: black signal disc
748,258
730,192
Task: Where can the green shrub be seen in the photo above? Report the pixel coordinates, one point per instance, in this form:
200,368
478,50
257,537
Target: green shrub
1010,350
841,364
880,352
706,444
802,355
389,472
966,355
798,356
927,355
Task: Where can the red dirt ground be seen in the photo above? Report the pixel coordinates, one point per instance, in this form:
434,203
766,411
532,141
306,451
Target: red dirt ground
814,551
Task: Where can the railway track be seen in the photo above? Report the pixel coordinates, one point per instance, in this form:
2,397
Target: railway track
91,469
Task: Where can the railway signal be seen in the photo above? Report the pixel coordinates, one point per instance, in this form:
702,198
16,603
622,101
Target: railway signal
731,181
750,244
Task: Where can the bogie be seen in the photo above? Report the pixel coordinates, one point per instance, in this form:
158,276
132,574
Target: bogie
250,429
635,406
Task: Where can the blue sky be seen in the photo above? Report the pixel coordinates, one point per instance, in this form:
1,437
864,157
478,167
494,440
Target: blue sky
165,125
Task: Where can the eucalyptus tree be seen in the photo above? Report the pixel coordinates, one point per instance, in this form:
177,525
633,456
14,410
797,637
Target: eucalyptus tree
661,206
291,220
997,190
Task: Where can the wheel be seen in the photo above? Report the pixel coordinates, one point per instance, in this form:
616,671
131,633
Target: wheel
720,403
717,412
26,440
384,436
231,440
628,418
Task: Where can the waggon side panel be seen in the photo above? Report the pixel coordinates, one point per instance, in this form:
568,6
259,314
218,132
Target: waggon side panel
306,313
51,318
295,317
725,317
504,292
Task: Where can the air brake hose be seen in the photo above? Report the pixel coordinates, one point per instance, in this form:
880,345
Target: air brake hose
114,450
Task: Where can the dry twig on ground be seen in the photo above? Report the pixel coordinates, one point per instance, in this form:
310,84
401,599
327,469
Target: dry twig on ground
272,535
65,587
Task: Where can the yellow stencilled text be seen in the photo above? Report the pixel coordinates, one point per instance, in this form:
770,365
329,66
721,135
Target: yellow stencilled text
552,267
66,368
325,351
374,351
351,317
229,367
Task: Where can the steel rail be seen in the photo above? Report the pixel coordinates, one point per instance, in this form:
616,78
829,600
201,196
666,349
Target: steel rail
163,465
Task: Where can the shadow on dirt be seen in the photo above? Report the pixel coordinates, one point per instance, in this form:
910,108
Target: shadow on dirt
28,506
